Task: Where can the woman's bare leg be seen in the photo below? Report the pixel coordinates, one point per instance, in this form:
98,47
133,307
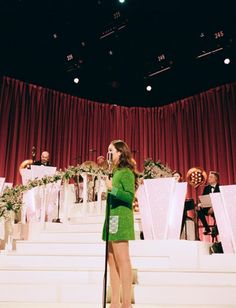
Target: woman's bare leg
122,259
114,279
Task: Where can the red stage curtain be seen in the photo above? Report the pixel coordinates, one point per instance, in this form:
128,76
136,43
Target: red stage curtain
196,131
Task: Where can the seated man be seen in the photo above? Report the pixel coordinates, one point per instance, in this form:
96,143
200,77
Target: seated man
212,187
44,160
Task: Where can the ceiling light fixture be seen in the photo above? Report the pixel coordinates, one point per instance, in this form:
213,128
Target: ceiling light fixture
226,61
76,80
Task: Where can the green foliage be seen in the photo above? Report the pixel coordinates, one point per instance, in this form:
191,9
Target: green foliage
153,170
11,199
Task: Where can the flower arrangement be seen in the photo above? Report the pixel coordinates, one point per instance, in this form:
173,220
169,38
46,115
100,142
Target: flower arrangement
11,199
153,170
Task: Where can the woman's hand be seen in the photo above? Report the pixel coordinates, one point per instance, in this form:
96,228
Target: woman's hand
109,184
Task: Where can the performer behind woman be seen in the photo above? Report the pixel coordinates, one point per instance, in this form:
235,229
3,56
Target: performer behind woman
121,191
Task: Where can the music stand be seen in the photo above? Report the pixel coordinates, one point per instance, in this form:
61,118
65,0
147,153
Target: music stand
39,172
205,201
26,176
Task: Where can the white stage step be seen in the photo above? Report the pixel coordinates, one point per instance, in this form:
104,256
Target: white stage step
64,265
88,230
152,277
94,219
47,292
186,295
220,262
88,227
137,248
145,254
186,278
83,237
81,227
144,294
70,262
60,248
97,219
34,276
82,305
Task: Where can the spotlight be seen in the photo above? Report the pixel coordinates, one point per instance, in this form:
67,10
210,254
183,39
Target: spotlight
116,15
226,61
69,57
149,88
76,80
122,1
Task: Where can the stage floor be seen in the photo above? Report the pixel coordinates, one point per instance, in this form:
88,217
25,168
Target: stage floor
62,265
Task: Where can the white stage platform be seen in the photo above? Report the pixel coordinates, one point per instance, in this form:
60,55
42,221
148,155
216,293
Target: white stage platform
62,266
80,305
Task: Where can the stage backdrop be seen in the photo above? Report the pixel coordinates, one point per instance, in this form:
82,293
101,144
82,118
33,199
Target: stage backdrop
196,131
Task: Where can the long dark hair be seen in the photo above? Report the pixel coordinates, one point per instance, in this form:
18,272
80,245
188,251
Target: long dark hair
126,160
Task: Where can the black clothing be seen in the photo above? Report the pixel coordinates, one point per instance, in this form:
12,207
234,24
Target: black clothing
188,205
208,189
39,163
216,248
203,212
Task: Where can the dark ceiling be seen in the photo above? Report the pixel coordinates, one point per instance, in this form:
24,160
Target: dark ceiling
117,49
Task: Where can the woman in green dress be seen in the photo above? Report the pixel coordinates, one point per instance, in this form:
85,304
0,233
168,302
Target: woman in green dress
121,191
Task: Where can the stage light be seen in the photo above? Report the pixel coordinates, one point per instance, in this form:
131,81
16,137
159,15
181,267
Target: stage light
76,80
69,57
149,88
219,34
116,15
226,61
161,57
122,1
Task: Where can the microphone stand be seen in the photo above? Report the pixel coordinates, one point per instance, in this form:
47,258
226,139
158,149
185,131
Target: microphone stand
197,236
59,201
107,219
58,208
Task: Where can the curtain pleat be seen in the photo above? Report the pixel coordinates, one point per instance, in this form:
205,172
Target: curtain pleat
196,131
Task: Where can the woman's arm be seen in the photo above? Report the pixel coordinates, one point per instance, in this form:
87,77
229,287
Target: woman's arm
126,193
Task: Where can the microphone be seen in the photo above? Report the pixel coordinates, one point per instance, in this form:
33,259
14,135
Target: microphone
109,158
109,161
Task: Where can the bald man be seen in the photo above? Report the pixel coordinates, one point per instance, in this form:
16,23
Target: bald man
44,159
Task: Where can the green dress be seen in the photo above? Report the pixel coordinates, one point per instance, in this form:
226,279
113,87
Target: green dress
120,200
